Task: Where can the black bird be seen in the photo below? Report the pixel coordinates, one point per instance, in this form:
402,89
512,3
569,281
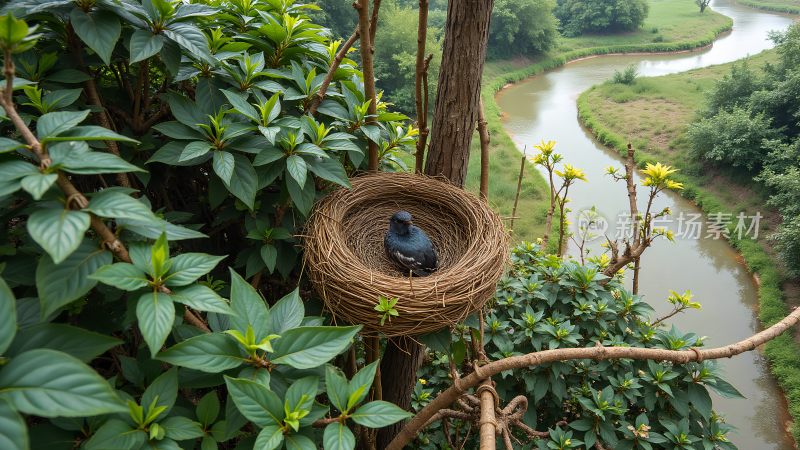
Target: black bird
408,247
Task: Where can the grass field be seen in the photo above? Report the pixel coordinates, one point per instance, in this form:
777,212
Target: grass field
787,6
672,25
654,114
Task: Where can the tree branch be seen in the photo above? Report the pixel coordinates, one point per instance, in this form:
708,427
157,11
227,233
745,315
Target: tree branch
447,397
483,132
362,6
337,61
421,85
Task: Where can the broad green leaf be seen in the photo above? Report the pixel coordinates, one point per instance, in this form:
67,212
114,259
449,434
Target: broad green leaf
156,313
241,105
194,149
256,402
358,388
287,313
82,344
8,317
122,275
211,353
267,155
338,437
302,196
89,133
190,38
9,145
336,387
177,130
725,389
62,98
13,431
59,231
224,165
301,394
37,184
201,298
100,30
378,414
296,166
163,391
16,169
249,307
299,442
12,30
145,44
700,400
208,442
208,408
35,383
153,228
90,163
187,267
54,123
159,257
61,284
269,438
308,347
330,169
269,254
244,182
185,110
116,434
181,428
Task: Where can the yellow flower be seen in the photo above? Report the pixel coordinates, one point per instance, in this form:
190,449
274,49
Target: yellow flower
658,174
423,381
546,148
571,173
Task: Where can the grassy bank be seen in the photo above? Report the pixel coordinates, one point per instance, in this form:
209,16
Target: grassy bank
653,114
673,25
784,6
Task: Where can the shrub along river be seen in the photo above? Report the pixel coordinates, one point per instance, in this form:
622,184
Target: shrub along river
544,107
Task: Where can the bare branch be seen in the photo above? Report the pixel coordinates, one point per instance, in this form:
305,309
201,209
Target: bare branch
362,6
337,61
483,132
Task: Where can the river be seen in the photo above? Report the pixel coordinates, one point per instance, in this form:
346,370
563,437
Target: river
544,107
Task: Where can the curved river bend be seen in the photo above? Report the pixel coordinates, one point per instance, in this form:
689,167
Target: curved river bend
544,107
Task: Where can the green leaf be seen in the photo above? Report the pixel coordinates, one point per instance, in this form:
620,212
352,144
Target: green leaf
82,344
330,169
35,383
156,313
249,307
187,267
287,313
116,434
181,428
8,318
302,196
163,391
202,298
208,408
211,353
154,227
301,394
338,437
268,155
700,400
308,347
123,276
100,30
37,184
256,402
12,30
54,123
61,284
89,133
145,44
296,166
269,254
91,163
159,257
336,386
244,182
13,432
9,145
194,149
58,231
299,442
725,389
358,388
177,130
269,438
190,38
224,165
378,414
241,105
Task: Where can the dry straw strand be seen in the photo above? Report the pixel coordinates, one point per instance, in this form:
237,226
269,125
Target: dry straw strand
349,269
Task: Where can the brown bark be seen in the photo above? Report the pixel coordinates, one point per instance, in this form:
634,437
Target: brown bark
362,6
458,93
484,135
337,61
401,360
447,397
421,83
516,196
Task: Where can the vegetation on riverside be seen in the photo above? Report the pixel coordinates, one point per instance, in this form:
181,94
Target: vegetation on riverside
598,16
713,178
785,6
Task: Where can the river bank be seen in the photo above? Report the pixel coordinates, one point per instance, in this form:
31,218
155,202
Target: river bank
672,25
783,6
617,114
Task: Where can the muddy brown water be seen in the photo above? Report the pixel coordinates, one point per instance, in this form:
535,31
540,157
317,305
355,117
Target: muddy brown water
544,107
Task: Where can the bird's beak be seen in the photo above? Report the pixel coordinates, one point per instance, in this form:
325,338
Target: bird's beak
408,222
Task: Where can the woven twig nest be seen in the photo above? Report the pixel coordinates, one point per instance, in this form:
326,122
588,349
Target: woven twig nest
347,264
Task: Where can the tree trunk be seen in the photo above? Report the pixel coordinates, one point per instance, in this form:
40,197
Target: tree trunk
399,366
459,90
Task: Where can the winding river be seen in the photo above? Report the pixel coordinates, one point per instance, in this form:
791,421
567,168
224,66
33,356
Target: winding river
544,107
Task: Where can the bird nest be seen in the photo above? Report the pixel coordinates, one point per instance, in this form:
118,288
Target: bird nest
349,269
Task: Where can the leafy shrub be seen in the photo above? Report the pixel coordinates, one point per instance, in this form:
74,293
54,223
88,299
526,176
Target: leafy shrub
142,139
546,303
581,16
627,76
522,27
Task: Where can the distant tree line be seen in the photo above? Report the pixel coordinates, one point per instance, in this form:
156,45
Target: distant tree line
750,125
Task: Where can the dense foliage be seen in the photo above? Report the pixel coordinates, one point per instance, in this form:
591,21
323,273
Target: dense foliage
750,123
524,27
212,153
600,16
547,303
